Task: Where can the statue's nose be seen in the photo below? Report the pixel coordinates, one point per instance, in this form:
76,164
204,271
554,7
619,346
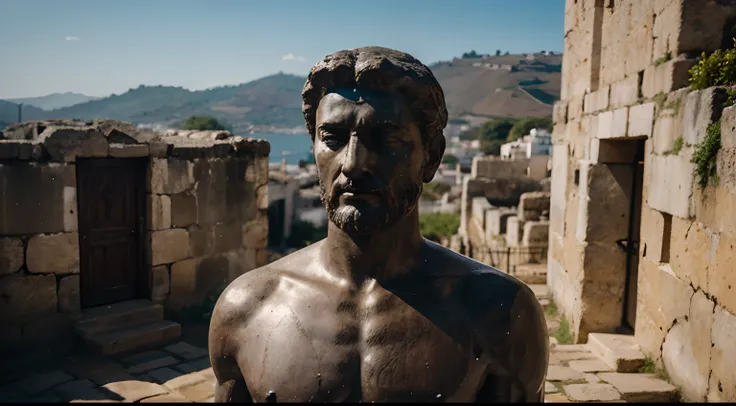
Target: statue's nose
355,159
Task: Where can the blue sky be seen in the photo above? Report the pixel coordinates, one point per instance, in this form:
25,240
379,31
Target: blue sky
99,47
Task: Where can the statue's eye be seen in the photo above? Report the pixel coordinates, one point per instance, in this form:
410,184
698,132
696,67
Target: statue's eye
333,138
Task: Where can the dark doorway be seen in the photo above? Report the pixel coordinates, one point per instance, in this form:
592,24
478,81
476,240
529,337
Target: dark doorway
111,199
632,243
276,219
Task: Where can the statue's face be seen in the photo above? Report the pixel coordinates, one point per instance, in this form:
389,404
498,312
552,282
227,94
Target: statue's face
370,157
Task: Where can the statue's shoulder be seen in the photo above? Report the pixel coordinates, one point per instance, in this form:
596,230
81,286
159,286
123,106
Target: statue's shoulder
250,289
479,286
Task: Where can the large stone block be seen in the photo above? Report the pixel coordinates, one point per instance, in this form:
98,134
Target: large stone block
717,259
613,124
671,185
692,250
604,202
686,349
655,234
596,101
129,150
702,25
171,176
168,246
536,234
159,212
65,144
255,234
160,283
666,131
69,299
558,189
641,120
532,205
213,274
514,231
625,92
479,206
53,253
666,77
228,237
27,297
201,240
603,286
183,210
496,221
12,255
700,109
651,327
722,385
183,279
559,112
32,197
54,333
715,206
728,127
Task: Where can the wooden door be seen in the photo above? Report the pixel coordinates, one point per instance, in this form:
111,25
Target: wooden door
111,195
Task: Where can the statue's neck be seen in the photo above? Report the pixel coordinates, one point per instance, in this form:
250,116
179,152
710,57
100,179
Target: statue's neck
382,255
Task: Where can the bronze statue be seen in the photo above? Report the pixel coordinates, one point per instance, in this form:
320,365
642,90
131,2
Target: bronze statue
374,312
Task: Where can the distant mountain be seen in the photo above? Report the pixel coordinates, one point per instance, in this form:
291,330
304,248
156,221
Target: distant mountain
491,86
501,86
54,100
9,113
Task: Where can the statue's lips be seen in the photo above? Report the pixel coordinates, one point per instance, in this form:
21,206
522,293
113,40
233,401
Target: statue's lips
359,195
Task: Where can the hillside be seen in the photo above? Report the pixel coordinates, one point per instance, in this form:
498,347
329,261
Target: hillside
502,86
54,100
529,89
9,113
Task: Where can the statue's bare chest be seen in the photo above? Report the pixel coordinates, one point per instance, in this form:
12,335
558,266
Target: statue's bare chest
367,347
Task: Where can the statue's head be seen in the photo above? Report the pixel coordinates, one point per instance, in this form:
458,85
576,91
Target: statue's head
376,118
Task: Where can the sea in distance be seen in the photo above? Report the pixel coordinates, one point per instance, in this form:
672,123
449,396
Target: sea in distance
297,146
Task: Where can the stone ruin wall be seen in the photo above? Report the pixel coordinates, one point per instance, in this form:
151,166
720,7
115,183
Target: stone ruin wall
625,77
206,210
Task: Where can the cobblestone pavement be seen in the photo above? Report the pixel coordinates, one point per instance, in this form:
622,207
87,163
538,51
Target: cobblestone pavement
176,373
181,372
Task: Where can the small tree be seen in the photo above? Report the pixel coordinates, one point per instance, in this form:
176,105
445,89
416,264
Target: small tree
202,123
498,52
449,159
434,226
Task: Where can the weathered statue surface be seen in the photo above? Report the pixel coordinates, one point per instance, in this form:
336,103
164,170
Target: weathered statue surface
374,312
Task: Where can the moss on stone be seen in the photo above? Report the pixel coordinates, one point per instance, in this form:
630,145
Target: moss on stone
705,155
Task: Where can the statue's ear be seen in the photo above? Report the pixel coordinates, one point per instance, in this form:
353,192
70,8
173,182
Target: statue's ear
435,151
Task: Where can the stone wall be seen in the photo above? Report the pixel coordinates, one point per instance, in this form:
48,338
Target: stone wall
623,83
206,204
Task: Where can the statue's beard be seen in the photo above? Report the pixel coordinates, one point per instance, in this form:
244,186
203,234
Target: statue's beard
392,205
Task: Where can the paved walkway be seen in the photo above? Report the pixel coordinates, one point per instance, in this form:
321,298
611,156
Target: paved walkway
181,373
177,373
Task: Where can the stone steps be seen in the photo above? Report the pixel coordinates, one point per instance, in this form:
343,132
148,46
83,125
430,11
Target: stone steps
125,326
619,351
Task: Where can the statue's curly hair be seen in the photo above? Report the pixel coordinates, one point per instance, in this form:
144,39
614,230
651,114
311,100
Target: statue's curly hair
379,69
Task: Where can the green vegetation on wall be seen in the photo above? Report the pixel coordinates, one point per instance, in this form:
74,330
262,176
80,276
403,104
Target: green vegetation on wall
434,226
705,155
716,69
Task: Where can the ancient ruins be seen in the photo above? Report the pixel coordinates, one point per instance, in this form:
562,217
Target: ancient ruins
99,213
639,240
